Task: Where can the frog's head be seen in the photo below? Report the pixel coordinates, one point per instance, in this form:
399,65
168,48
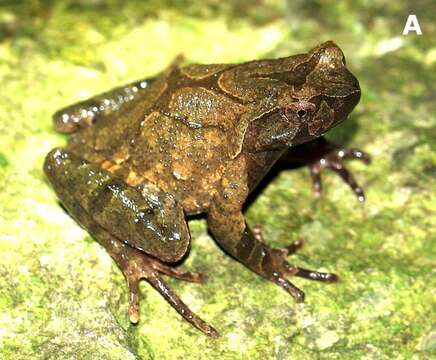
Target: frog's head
318,93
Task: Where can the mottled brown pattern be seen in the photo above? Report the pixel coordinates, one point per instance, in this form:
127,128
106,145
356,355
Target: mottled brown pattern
196,140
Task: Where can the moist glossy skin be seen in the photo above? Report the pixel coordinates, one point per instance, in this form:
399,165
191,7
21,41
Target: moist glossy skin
197,140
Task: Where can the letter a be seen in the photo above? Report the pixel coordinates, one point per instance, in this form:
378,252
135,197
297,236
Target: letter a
412,24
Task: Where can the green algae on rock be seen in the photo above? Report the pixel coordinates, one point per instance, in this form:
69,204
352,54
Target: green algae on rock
61,297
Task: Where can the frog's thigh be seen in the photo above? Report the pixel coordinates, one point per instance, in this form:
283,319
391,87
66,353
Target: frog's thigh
85,113
147,219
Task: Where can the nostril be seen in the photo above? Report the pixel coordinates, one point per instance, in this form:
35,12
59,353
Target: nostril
301,113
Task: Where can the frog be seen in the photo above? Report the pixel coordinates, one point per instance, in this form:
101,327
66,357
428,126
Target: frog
196,140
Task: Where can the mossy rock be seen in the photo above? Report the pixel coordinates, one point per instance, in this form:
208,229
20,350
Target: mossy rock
62,297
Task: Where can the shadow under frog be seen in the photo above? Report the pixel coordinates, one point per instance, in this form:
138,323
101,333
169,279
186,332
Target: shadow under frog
198,139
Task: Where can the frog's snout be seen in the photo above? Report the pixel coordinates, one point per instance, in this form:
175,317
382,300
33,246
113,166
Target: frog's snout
343,106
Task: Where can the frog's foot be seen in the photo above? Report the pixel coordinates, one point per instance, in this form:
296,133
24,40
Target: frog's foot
334,161
141,266
122,220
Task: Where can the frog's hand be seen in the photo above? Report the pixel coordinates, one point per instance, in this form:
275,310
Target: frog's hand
85,113
320,154
227,224
149,220
233,234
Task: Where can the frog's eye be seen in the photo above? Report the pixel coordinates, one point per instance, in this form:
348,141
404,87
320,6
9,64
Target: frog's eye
301,113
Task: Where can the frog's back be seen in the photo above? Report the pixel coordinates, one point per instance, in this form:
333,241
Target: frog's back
110,132
187,162
179,136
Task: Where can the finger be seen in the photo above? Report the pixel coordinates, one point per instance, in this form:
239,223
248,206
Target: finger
257,232
346,176
354,154
295,292
315,173
316,275
293,247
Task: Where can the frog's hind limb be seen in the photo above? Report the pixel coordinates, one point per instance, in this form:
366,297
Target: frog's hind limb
112,211
86,113
97,108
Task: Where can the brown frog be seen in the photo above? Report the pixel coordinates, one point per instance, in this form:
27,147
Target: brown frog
197,139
